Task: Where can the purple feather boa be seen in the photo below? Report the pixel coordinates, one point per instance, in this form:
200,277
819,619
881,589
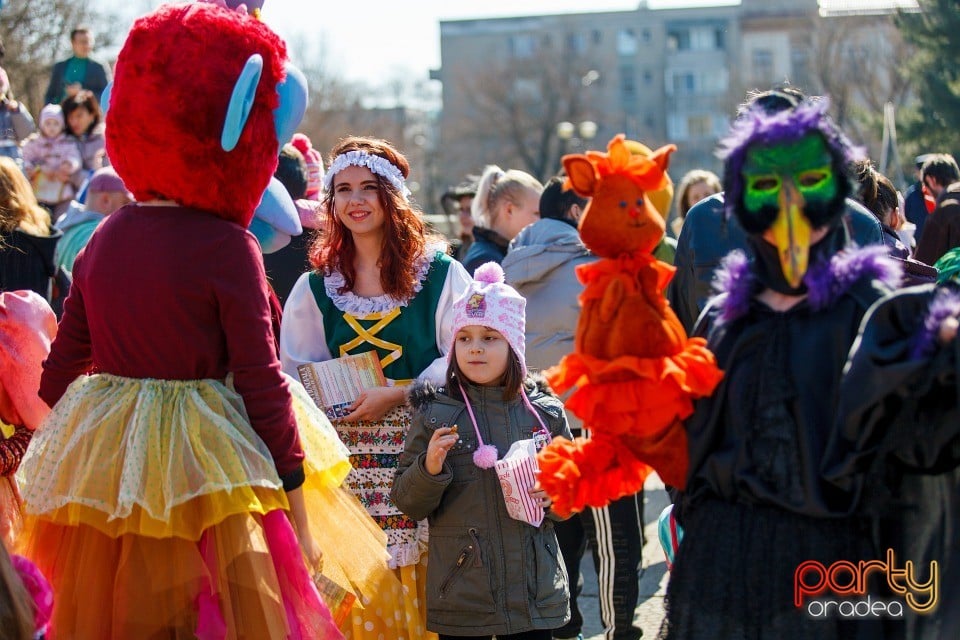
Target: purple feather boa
946,303
827,281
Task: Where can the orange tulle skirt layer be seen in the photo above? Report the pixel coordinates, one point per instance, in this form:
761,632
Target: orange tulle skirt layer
155,511
633,408
11,518
593,472
237,582
636,395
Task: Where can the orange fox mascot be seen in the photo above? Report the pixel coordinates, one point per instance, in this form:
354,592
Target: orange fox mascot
634,369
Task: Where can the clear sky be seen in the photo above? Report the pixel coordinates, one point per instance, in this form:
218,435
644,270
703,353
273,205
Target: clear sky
374,41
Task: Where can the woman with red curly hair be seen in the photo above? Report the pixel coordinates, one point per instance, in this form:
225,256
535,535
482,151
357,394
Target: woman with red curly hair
379,283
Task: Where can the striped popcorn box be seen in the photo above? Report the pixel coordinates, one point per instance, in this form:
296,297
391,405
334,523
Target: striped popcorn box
517,472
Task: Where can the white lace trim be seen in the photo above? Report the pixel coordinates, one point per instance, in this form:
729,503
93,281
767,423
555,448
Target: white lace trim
408,553
351,303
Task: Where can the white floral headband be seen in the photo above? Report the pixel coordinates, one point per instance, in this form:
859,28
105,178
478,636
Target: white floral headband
380,166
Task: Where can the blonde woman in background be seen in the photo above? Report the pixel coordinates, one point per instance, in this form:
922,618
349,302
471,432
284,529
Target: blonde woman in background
506,202
27,239
694,187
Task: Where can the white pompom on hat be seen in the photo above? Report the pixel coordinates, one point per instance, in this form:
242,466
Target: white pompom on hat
489,302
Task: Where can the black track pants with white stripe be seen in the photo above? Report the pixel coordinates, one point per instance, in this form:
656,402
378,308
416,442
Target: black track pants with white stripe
615,536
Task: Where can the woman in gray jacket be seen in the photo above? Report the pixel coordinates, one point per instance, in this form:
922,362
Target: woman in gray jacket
488,573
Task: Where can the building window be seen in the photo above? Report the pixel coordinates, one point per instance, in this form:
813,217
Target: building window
628,85
761,66
526,90
700,126
702,38
676,127
597,36
682,82
678,40
576,43
647,77
800,66
645,34
626,42
522,46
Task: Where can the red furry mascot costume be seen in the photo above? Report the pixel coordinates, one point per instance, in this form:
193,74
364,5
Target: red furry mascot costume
168,105
634,368
161,482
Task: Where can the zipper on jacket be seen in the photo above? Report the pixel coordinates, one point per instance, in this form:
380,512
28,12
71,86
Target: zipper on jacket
478,557
461,561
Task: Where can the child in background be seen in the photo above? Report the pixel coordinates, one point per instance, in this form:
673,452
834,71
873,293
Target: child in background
445,475
27,327
26,599
50,158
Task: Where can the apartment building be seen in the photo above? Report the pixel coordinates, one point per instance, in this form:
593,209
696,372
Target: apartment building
658,75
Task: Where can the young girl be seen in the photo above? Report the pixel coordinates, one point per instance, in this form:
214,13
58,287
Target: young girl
488,574
379,284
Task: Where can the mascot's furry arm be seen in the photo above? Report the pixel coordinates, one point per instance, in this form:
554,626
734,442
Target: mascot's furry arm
634,368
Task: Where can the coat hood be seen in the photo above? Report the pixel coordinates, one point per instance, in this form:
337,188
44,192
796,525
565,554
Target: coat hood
77,213
539,249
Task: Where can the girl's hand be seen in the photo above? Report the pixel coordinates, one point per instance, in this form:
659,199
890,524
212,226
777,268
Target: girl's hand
374,403
442,440
948,330
540,496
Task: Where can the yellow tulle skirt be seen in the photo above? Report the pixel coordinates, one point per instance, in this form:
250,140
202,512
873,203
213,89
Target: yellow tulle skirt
388,601
155,511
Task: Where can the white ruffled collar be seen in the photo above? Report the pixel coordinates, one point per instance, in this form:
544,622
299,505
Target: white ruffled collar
351,303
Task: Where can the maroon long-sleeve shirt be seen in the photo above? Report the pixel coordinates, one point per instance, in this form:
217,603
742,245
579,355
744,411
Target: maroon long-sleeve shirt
177,294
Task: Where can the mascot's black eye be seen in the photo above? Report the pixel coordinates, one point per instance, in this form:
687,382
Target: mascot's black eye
639,202
623,204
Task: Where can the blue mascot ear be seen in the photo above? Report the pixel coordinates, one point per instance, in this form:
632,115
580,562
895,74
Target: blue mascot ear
293,104
241,102
276,218
105,99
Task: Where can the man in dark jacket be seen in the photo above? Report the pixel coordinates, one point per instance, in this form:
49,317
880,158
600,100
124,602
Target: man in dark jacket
77,72
942,231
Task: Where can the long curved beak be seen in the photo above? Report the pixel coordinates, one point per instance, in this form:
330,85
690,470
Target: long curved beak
791,233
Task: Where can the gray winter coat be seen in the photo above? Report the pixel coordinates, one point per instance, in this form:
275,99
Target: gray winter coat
541,266
487,573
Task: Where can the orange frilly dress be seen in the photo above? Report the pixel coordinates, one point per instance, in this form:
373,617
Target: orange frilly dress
633,406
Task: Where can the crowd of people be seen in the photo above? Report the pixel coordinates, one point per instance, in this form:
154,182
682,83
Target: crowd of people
155,430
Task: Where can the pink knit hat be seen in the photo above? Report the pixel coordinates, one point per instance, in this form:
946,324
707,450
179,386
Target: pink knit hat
489,302
27,327
314,165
